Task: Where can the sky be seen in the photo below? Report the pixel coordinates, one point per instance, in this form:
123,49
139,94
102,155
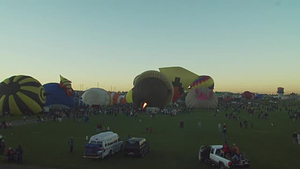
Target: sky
242,44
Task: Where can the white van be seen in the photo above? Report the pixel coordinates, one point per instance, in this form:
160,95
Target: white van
103,144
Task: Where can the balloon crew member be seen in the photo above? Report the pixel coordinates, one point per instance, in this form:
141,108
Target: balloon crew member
226,149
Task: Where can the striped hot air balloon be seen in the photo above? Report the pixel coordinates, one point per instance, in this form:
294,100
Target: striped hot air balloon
114,97
203,81
121,100
66,85
21,95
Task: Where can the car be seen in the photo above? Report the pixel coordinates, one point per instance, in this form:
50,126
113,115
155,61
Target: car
136,147
102,145
213,155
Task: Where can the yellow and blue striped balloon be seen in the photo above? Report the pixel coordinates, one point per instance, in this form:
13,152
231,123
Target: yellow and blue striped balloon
21,95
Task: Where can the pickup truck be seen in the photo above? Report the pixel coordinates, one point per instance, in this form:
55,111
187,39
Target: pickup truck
214,155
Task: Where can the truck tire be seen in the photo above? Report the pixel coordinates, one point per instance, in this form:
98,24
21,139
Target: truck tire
221,166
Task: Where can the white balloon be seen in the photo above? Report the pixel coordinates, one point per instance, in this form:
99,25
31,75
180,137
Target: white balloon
96,96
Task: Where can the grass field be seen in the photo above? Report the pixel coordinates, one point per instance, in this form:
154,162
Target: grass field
46,144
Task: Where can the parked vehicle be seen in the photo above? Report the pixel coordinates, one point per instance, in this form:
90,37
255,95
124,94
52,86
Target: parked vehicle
136,147
214,155
102,145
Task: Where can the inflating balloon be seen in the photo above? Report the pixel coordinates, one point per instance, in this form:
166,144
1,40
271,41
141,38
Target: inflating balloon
96,97
121,100
153,88
66,85
21,95
129,96
180,78
248,95
203,81
114,97
57,98
201,98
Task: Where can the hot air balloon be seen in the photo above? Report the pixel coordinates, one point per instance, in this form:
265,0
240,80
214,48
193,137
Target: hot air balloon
57,98
114,97
203,81
121,100
259,96
201,98
96,97
280,91
180,78
248,95
66,85
153,89
129,96
21,95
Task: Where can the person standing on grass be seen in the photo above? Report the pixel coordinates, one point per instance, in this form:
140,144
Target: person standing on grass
224,134
199,124
2,148
19,152
294,138
298,137
71,144
24,118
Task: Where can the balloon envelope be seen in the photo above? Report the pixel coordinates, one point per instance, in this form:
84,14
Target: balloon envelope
60,98
153,88
248,95
203,81
201,98
180,78
96,97
129,96
21,95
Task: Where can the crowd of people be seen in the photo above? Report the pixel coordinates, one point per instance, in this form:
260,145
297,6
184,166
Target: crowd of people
233,110
12,155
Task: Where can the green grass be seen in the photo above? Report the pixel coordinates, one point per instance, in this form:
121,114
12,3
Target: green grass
14,118
45,144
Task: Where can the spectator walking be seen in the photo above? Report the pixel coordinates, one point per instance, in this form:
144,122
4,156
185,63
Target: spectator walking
71,144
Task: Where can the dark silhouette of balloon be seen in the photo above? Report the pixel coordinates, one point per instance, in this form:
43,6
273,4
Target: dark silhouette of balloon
153,88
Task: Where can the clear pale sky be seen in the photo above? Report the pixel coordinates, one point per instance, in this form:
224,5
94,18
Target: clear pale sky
242,44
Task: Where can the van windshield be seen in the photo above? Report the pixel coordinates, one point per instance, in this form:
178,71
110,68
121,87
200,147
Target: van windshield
96,142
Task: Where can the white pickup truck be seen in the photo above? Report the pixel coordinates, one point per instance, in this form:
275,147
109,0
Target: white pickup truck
214,155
